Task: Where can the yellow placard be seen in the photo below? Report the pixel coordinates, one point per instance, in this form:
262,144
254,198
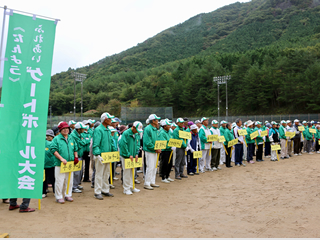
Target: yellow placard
301,128
232,142
212,138
175,143
242,132
132,164
109,157
197,154
184,135
319,142
254,135
44,175
290,134
160,145
275,147
70,167
221,139
264,133
311,130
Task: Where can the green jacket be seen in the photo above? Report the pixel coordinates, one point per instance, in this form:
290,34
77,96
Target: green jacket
248,138
259,138
222,129
228,136
65,147
49,157
202,136
188,130
87,135
102,141
116,137
129,144
79,141
282,133
165,136
150,136
175,135
307,134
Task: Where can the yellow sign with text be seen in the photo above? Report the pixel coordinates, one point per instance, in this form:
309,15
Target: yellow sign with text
212,138
184,135
311,130
197,154
275,147
175,143
242,132
222,139
232,142
301,128
70,167
160,145
264,133
290,134
132,164
109,157
254,135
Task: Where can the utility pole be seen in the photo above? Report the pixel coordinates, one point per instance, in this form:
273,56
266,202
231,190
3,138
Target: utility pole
222,80
78,77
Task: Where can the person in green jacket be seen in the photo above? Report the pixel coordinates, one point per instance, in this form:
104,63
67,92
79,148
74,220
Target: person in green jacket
228,136
180,152
150,136
115,135
283,139
250,142
80,146
308,137
48,164
317,138
129,145
260,141
63,148
204,132
164,135
222,129
87,136
102,142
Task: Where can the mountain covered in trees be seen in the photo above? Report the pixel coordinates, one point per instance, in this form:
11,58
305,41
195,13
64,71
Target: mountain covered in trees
271,48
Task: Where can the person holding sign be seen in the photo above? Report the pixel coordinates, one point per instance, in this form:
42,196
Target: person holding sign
283,140
48,164
297,138
290,129
267,147
216,147
229,137
222,129
192,146
102,142
63,148
274,139
250,142
80,145
260,141
308,137
180,152
204,132
239,146
150,136
164,135
129,145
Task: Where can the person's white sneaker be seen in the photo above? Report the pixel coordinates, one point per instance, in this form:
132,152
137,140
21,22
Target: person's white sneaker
296,154
318,151
44,195
165,181
139,171
243,164
219,168
310,153
128,192
169,179
135,190
115,178
80,187
76,190
202,171
214,169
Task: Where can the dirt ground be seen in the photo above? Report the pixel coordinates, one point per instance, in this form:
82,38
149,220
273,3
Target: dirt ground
267,199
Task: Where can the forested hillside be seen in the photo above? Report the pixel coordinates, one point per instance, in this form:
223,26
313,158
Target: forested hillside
270,47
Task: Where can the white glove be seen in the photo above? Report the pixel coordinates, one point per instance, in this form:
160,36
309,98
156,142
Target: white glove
173,148
288,138
192,150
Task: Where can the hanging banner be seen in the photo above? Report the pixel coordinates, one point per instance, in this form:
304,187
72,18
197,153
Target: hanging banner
25,97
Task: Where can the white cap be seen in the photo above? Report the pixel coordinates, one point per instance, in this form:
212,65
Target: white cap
71,122
296,120
288,121
153,117
138,126
147,121
112,129
165,122
249,123
104,116
80,125
180,120
203,119
197,121
192,127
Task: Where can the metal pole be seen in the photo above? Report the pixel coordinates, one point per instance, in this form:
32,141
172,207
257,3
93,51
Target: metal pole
2,35
218,105
227,100
81,100
74,103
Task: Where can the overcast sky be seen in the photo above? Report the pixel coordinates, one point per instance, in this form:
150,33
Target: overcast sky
91,30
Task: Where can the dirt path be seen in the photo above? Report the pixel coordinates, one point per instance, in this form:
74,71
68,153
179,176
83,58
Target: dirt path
268,199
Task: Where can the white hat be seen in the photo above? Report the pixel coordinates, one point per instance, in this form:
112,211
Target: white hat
71,122
165,122
214,122
138,126
197,121
85,122
112,129
147,121
174,125
296,120
203,119
192,127
283,121
249,123
223,122
288,121
104,116
153,117
304,122
80,125
180,120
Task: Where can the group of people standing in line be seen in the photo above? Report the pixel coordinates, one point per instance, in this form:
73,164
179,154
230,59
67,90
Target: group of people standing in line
87,141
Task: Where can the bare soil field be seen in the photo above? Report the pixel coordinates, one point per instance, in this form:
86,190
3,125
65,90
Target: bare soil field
261,200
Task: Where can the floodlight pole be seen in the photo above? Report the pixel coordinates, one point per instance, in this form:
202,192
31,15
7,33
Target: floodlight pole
222,80
78,77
